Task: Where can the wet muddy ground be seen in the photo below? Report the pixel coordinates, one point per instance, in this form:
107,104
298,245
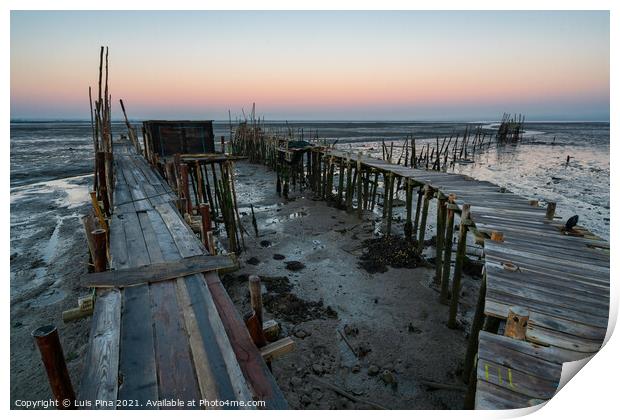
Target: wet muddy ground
379,335
48,256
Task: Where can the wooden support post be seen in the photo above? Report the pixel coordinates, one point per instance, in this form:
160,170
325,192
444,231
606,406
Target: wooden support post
476,326
100,257
255,321
458,266
550,211
441,228
102,181
417,212
54,361
185,185
205,215
447,252
389,199
516,322
349,190
409,200
359,185
427,196
223,144
470,395
340,181
109,173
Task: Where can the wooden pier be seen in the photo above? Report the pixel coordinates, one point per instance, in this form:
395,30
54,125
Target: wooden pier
549,285
165,340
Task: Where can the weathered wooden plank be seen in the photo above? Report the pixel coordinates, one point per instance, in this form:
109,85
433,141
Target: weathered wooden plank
543,267
158,272
548,353
206,379
100,376
517,381
231,383
519,361
492,397
251,362
175,370
549,258
538,320
185,240
558,312
563,299
137,357
596,291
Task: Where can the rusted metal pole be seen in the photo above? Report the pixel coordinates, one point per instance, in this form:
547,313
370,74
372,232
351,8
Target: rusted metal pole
54,361
100,258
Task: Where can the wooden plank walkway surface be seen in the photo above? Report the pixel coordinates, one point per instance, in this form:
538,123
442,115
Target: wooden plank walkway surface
179,339
562,280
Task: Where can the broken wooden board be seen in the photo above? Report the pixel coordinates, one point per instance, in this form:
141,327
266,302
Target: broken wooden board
157,272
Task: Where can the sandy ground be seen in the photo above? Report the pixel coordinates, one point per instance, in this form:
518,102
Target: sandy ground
395,327
393,321
48,256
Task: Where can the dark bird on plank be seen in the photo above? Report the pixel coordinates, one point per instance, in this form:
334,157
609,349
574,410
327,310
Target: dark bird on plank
571,223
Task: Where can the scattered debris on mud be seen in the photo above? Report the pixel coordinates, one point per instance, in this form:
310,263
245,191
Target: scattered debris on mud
284,305
393,251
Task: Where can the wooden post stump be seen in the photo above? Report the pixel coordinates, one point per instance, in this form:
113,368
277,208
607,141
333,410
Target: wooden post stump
516,323
54,361
550,211
205,216
427,197
100,258
255,321
447,252
441,231
497,236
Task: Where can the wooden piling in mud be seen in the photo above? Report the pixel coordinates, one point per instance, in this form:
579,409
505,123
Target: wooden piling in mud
458,266
441,231
340,181
389,200
418,207
476,326
408,199
53,359
427,197
359,185
550,211
349,189
447,252
255,321
205,220
100,259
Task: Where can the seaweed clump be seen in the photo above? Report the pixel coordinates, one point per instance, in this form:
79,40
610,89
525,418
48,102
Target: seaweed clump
392,251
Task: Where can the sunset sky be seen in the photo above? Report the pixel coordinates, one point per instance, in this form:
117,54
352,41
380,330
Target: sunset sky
315,65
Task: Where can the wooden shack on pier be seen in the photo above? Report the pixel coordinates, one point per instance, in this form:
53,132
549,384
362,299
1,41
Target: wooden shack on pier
165,138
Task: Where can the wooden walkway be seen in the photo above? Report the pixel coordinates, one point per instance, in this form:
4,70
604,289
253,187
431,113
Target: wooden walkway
180,339
563,281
